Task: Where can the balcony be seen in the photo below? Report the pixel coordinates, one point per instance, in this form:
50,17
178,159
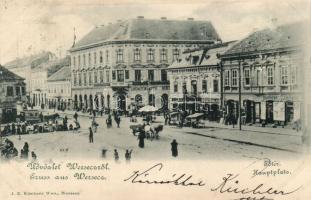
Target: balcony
101,84
119,84
150,82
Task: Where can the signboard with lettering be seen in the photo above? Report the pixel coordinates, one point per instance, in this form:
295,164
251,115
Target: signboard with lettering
279,111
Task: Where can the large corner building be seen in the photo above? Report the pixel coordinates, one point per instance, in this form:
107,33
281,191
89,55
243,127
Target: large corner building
124,65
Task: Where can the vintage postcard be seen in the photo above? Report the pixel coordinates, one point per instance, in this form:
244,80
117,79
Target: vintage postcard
139,99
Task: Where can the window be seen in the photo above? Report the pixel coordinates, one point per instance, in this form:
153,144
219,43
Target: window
194,87
204,86
101,57
74,61
270,75
90,78
101,76
120,75
150,55
151,75
246,77
95,76
113,75
17,91
163,75
23,91
80,79
137,75
89,58
95,58
74,79
84,79
163,55
107,76
175,54
84,61
127,74
227,75
184,87
215,85
107,56
175,87
234,78
294,75
284,75
79,60
137,56
119,55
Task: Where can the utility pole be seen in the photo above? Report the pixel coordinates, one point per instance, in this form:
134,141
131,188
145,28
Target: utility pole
240,95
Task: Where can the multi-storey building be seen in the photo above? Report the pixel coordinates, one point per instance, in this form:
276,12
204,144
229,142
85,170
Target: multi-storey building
24,66
124,65
267,67
59,89
39,77
195,81
12,94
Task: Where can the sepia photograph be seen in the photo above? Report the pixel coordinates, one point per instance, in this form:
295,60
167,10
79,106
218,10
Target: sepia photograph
137,87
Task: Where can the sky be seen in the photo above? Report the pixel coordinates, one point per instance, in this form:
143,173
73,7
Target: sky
30,26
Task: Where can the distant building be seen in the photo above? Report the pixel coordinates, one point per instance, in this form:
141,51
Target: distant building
39,79
12,95
124,65
270,64
195,81
24,66
59,89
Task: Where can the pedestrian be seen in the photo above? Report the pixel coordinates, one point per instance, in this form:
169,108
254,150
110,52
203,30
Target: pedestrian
174,149
41,117
118,120
25,150
34,156
128,155
91,135
13,129
75,116
116,155
141,138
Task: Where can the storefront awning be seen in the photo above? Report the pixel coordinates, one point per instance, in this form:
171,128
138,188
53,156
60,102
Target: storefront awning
195,115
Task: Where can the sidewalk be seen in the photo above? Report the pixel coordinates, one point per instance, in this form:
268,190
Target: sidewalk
273,138
259,129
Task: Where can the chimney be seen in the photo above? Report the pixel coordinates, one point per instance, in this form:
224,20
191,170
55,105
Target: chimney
190,19
140,17
163,18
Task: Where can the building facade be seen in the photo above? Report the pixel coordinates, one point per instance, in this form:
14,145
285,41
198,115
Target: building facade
124,65
23,67
39,80
195,81
267,67
59,89
12,95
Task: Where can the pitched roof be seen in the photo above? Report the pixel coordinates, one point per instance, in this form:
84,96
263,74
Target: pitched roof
151,29
7,75
53,66
62,74
33,60
207,56
284,36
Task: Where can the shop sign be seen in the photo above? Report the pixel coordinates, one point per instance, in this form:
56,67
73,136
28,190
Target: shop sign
278,98
279,111
263,110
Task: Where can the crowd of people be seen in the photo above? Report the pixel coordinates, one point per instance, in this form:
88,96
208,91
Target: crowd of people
9,151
